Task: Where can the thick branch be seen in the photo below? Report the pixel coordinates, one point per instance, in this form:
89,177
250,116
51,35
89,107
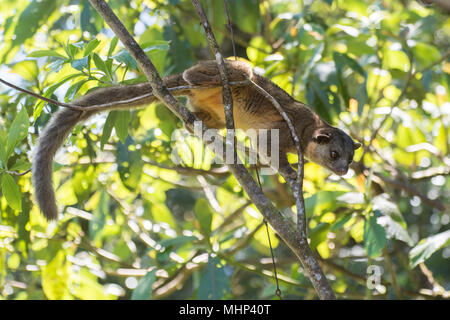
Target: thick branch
159,89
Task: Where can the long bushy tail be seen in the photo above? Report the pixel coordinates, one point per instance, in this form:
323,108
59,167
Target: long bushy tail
63,122
50,141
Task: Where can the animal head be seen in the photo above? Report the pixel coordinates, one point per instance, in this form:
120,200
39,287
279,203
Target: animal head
332,148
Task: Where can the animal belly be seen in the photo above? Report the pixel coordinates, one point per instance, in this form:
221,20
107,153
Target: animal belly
210,101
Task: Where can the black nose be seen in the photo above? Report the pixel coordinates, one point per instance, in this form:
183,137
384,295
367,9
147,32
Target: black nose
342,171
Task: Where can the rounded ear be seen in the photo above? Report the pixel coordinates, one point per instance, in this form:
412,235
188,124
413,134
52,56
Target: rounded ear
356,145
321,136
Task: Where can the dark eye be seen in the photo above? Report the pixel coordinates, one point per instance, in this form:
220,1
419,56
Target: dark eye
334,155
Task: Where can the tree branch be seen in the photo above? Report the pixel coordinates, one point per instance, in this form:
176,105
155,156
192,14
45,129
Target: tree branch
292,238
297,186
316,274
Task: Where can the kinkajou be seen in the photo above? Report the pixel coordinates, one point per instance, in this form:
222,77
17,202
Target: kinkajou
323,144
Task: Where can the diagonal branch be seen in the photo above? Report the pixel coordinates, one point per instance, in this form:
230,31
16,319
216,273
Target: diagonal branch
283,227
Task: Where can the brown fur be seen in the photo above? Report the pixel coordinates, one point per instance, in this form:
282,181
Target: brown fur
251,110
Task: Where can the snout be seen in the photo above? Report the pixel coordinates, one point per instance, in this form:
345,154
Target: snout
341,171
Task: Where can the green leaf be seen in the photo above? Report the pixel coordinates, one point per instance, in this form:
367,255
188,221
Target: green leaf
158,45
319,234
55,277
340,222
3,146
91,46
76,46
377,79
23,231
72,50
14,261
27,69
46,53
130,163
256,51
108,65
374,237
32,18
177,241
342,59
124,57
112,46
99,63
121,124
203,213
21,165
88,287
107,128
321,201
99,216
161,213
55,66
395,60
11,191
214,283
361,96
88,19
427,247
18,131
441,139
316,56
80,64
425,54
143,291
73,89
247,13
48,93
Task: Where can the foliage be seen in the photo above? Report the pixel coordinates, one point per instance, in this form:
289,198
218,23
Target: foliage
135,223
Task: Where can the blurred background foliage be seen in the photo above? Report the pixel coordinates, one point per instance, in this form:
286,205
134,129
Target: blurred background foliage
135,225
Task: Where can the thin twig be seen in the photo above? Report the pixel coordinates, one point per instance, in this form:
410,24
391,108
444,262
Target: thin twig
437,288
31,93
277,291
230,27
15,173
